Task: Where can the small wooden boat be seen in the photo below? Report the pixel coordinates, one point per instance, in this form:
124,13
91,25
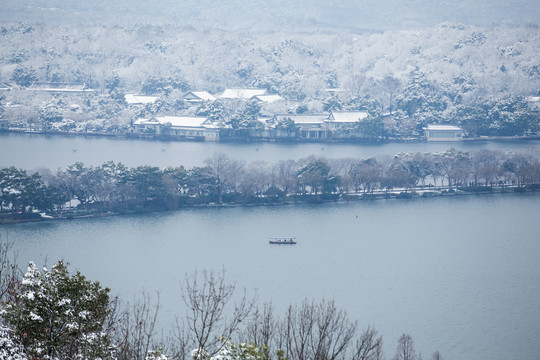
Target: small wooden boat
283,241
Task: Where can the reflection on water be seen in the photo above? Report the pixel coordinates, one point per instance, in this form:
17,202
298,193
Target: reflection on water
460,274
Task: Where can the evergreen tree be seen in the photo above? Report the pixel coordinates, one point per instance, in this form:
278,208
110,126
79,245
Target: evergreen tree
288,126
24,76
58,316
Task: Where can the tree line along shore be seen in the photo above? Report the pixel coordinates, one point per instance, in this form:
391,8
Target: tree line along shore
113,188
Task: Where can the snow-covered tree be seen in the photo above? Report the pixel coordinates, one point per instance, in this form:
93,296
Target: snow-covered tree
24,76
9,347
421,99
156,355
232,351
60,316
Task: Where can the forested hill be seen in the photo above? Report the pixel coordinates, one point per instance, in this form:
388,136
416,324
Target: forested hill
479,70
378,15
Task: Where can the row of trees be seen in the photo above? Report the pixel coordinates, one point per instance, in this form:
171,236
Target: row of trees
115,187
52,314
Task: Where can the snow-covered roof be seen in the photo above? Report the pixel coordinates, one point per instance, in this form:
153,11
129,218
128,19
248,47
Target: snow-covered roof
176,121
268,98
152,121
348,116
306,119
241,93
133,99
199,96
183,121
533,99
442,127
58,87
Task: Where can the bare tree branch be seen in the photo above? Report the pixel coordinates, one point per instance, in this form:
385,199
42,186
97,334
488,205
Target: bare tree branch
208,315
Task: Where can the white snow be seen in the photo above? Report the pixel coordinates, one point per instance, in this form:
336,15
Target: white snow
35,317
64,302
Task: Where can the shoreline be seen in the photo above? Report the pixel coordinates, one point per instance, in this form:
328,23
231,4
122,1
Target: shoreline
426,192
265,140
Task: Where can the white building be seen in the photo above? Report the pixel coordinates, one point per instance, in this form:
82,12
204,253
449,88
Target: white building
435,132
310,126
181,127
342,124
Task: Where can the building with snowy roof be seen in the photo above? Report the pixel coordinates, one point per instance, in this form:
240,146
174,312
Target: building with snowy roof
341,124
198,96
434,132
180,127
309,126
346,117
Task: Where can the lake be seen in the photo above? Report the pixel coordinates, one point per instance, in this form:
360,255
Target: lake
32,151
459,274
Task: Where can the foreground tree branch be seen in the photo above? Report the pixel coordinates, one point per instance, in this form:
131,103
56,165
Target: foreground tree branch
210,314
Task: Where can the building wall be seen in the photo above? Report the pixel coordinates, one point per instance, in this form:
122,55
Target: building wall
312,134
443,135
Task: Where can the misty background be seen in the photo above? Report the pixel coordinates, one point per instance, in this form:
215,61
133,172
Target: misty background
379,15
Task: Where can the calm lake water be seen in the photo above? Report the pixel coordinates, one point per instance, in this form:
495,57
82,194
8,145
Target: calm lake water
459,274
31,151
